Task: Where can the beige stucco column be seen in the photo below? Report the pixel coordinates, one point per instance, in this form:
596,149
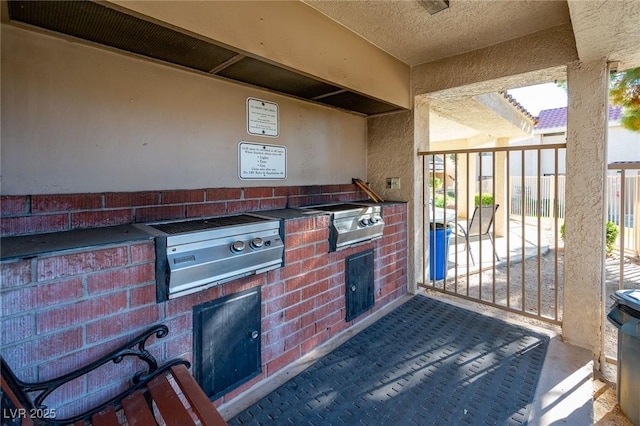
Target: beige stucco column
391,153
501,183
421,214
468,176
585,204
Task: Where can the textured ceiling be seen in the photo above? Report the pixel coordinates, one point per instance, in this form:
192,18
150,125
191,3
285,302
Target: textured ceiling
404,29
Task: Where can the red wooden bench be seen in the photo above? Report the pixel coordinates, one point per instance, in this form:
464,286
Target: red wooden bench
170,389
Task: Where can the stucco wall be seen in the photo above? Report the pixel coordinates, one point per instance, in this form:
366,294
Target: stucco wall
623,145
538,57
392,148
79,119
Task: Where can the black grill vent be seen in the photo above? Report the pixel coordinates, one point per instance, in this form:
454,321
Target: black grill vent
272,77
356,102
103,25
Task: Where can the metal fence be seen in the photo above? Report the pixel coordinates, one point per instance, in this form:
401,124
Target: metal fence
528,193
515,265
524,195
623,202
518,264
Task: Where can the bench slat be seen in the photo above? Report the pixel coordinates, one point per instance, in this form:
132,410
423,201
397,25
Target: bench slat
200,403
170,406
179,399
14,400
137,410
106,417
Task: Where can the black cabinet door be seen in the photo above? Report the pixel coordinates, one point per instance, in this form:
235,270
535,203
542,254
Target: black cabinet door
227,342
359,284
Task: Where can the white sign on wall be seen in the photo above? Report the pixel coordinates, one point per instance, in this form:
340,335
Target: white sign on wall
261,161
262,117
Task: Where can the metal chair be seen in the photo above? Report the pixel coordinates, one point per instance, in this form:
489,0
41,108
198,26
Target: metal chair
479,226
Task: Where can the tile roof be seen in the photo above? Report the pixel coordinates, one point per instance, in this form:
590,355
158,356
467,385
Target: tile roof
513,101
557,117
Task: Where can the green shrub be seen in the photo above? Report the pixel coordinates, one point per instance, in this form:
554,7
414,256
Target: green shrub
611,235
487,199
435,182
441,201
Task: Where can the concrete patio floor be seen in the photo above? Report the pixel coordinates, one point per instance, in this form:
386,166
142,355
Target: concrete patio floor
567,392
567,384
524,241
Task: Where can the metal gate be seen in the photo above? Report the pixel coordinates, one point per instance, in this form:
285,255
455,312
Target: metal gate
622,270
492,227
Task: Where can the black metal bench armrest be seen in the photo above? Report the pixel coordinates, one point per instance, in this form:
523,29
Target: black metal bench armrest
134,348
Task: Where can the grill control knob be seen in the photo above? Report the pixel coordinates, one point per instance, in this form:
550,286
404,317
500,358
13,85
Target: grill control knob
237,247
374,220
257,243
364,222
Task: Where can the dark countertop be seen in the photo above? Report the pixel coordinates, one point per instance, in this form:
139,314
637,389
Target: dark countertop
28,246
297,212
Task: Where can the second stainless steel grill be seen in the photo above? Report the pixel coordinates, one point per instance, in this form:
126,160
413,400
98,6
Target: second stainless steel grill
352,223
197,254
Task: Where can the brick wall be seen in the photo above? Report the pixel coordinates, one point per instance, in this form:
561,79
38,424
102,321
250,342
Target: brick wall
31,214
65,310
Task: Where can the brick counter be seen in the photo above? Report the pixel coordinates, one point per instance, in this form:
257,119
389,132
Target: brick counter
61,310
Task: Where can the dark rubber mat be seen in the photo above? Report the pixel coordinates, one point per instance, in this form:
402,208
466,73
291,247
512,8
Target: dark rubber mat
425,363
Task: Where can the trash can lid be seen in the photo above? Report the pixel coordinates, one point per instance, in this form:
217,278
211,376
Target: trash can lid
630,298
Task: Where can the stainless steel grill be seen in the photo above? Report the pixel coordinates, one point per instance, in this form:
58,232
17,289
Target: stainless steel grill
352,223
197,254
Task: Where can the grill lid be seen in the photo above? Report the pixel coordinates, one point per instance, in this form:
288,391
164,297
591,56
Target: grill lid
347,211
204,224
338,207
352,223
193,255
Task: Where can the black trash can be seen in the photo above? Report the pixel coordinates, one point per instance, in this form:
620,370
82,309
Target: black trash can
625,315
439,236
